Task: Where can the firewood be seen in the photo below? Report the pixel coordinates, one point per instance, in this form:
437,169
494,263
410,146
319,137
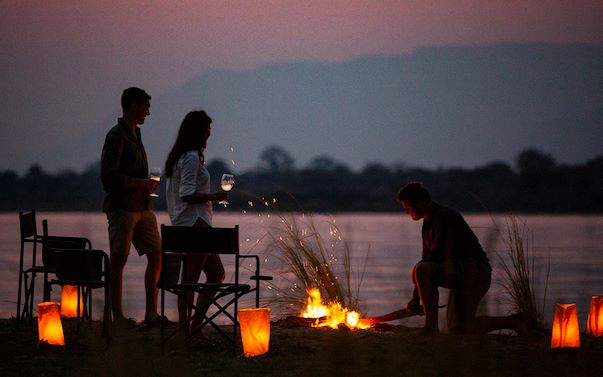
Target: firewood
294,321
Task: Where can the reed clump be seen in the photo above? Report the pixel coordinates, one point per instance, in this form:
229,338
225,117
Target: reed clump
519,269
315,262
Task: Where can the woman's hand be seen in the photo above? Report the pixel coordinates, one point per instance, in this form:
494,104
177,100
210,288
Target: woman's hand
204,198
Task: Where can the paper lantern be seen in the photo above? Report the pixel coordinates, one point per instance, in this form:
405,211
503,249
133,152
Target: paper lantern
50,329
69,301
566,332
594,324
255,330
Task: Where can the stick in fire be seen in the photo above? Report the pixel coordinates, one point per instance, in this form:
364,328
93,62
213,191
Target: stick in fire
398,314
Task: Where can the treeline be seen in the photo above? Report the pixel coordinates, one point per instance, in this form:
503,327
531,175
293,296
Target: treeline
535,184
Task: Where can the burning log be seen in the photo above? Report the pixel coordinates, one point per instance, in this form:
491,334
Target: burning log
333,314
291,322
295,321
336,316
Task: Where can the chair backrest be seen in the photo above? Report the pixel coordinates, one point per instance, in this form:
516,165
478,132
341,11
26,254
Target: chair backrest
186,239
50,243
79,264
27,222
179,240
59,242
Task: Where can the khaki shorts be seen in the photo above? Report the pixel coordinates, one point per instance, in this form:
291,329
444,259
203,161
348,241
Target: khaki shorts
138,228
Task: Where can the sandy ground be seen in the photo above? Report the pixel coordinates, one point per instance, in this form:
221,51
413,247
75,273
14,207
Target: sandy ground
300,352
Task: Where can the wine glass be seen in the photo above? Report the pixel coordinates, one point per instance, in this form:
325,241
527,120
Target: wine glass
155,174
227,182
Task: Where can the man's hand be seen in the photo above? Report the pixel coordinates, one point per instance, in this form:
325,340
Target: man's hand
220,195
149,185
414,306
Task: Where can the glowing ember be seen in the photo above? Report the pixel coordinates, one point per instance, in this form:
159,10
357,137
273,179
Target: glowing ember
331,315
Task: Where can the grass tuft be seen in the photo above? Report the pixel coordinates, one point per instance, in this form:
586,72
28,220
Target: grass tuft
314,263
519,272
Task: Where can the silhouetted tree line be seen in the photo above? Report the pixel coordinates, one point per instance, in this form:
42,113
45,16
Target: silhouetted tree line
535,184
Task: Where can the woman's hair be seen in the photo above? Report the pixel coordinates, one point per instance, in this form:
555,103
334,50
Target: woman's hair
412,192
192,136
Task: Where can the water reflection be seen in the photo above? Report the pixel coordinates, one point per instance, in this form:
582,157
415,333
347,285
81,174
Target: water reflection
570,243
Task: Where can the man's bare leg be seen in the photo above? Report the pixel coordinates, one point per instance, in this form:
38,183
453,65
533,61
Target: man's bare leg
428,290
151,278
117,262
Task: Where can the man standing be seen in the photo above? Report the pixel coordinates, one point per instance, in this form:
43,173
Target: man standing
452,258
124,174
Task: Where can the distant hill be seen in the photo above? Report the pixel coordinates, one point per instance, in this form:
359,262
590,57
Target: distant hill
444,106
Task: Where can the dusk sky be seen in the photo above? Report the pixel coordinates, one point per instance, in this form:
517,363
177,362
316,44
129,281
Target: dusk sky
65,63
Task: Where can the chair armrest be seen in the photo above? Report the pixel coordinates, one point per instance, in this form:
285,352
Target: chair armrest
257,275
65,242
257,261
260,277
257,258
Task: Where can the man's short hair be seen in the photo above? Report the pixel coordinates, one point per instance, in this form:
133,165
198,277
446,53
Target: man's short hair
132,96
412,192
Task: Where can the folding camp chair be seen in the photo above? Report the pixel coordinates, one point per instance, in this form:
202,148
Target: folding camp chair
27,276
57,242
87,269
179,242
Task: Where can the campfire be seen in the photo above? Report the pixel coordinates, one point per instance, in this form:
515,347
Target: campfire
331,315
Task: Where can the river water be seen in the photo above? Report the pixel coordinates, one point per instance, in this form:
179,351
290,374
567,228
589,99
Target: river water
569,247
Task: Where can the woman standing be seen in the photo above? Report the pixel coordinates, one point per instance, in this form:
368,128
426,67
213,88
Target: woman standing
189,201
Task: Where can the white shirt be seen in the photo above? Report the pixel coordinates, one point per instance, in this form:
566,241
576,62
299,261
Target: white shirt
188,177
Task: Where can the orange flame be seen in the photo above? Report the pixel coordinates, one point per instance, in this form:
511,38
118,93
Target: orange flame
334,313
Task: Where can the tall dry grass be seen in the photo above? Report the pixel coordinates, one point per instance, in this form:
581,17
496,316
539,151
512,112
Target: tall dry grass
519,269
315,261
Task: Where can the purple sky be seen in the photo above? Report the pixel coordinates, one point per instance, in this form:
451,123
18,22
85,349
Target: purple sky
64,63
